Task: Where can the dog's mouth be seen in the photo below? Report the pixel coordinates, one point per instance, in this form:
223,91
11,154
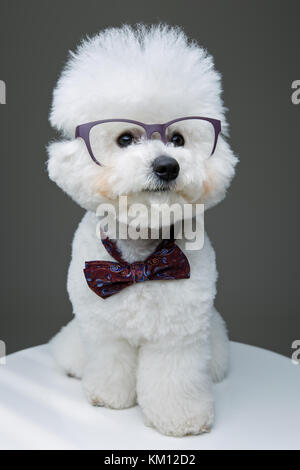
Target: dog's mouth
156,190
160,188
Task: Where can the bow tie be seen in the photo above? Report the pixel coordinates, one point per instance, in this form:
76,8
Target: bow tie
106,278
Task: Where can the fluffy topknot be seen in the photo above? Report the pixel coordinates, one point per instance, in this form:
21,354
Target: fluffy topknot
122,68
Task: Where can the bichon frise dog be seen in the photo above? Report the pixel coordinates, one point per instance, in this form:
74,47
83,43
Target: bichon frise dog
159,344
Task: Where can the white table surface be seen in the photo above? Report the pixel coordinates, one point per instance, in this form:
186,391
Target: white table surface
257,407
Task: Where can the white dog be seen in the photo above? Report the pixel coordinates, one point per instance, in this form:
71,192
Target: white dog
161,343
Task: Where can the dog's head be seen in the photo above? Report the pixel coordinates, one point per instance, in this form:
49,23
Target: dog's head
148,75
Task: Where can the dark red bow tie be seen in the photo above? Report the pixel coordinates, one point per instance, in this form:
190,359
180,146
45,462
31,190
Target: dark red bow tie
106,278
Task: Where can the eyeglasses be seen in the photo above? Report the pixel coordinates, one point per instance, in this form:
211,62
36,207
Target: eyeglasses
181,132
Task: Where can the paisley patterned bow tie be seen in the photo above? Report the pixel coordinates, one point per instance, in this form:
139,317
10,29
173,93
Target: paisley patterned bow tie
106,278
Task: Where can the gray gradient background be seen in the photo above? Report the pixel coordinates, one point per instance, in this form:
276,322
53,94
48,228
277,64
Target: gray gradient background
255,230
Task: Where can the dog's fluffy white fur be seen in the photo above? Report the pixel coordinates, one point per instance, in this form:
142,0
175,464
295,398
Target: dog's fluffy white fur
156,343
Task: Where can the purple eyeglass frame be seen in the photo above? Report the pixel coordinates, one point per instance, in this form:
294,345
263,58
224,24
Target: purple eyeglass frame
83,130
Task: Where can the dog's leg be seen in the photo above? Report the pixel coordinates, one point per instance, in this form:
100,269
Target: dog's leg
174,387
68,350
219,347
110,375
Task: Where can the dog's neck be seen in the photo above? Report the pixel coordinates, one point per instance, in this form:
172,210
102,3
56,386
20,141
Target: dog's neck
136,250
140,249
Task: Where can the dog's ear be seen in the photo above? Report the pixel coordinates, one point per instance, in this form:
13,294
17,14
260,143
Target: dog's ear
71,168
220,169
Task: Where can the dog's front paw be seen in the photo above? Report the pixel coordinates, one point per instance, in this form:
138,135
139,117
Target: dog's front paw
184,419
110,379
109,390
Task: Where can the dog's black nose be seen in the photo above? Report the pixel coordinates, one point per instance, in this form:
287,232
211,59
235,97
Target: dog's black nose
166,168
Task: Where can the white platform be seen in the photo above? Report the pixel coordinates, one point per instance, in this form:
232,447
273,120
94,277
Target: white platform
257,407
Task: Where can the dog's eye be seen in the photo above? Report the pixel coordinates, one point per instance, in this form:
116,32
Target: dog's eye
125,139
177,140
